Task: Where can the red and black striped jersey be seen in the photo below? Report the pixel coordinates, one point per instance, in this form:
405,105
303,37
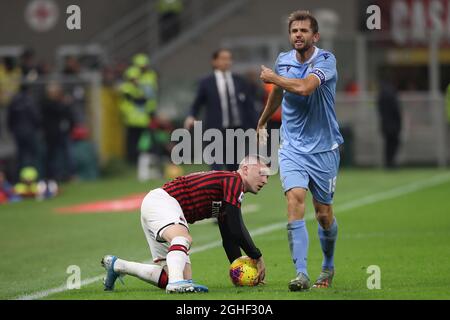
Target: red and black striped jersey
201,195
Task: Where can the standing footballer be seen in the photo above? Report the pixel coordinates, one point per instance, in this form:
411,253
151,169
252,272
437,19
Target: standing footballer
304,82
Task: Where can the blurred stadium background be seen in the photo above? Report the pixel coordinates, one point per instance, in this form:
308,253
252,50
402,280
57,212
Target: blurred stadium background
412,49
255,31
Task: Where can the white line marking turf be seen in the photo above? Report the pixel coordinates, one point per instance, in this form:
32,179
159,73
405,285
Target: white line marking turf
370,199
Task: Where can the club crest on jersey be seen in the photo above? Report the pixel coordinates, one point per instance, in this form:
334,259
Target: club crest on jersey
215,208
241,197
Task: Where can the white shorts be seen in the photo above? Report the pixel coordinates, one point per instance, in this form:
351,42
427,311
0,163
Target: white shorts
159,210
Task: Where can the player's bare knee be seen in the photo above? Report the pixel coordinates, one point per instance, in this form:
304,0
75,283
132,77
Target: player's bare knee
176,230
325,218
295,198
295,215
296,208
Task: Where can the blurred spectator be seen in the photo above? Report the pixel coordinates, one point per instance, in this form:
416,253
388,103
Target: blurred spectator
30,187
28,65
390,121
169,12
84,155
112,147
27,185
119,69
351,88
135,111
150,158
228,102
10,78
108,76
148,80
46,189
44,68
155,147
256,89
57,123
7,193
74,87
24,122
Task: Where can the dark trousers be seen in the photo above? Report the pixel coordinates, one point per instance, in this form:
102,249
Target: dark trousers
133,136
391,145
59,161
27,152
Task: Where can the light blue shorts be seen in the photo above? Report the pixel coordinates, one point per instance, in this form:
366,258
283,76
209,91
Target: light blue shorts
316,172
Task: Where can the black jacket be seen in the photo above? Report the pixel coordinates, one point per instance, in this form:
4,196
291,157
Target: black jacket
57,120
389,110
208,95
23,116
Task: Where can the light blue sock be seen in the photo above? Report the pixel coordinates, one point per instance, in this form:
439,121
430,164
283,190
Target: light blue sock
298,243
327,242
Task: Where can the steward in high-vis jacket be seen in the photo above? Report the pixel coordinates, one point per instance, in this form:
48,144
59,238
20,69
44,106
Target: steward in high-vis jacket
136,111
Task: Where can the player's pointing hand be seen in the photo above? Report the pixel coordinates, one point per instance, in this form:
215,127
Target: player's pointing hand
266,74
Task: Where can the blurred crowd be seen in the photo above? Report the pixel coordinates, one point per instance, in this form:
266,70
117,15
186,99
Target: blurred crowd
45,114
45,117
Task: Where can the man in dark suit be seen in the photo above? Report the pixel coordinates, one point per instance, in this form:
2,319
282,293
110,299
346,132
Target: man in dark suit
228,101
389,110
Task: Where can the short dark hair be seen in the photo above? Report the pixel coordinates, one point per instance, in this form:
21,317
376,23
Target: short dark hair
301,15
217,52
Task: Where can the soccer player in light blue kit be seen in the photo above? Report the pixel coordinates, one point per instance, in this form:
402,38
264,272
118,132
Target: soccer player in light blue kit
304,83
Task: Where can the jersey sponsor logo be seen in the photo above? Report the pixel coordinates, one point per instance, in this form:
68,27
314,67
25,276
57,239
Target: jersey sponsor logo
288,68
241,197
326,55
320,74
215,208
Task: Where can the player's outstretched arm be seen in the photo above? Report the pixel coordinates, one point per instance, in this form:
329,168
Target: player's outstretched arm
303,87
239,232
231,247
235,224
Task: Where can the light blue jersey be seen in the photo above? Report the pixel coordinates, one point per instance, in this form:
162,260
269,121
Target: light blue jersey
309,123
309,154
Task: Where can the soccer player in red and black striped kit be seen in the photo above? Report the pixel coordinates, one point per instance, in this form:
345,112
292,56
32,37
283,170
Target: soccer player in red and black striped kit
166,212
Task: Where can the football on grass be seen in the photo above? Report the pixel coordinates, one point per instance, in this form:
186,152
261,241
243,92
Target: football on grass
243,271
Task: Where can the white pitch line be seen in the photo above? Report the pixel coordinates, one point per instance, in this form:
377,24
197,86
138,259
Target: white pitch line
370,199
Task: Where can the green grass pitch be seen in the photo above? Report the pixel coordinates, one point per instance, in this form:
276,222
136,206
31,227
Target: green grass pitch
399,221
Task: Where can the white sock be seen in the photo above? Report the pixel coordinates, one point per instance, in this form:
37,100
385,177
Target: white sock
176,258
147,272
